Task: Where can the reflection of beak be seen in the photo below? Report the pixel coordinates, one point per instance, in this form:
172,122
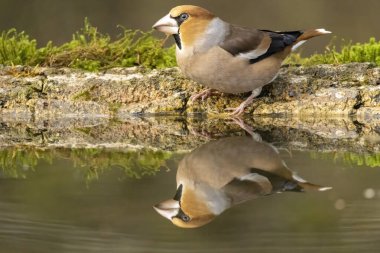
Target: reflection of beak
168,208
166,25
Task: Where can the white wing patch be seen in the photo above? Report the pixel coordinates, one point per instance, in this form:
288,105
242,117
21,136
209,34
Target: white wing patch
299,179
253,54
297,45
263,181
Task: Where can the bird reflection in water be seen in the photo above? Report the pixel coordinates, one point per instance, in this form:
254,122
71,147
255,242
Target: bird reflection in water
226,172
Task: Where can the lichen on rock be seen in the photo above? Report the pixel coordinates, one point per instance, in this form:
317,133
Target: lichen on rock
315,90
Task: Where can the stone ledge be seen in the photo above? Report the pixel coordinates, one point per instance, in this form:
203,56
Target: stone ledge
323,90
186,133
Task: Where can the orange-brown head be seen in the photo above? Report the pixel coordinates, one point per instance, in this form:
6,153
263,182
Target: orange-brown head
186,210
188,22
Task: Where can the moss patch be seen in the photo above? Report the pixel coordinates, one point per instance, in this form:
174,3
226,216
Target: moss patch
359,52
88,50
17,162
92,50
351,159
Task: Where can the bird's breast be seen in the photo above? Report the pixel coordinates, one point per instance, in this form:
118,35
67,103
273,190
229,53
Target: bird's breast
218,69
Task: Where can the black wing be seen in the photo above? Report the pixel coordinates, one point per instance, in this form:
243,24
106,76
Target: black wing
279,41
257,44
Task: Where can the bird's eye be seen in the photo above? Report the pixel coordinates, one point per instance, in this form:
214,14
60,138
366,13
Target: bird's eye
183,16
185,218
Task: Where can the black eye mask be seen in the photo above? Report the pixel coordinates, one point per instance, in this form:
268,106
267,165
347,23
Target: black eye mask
181,18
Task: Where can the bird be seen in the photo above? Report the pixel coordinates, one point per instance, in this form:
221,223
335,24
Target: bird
226,172
225,57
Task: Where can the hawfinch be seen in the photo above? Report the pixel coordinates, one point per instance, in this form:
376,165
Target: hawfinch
226,172
226,57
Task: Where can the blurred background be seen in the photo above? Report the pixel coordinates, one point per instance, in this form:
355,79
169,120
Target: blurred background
57,20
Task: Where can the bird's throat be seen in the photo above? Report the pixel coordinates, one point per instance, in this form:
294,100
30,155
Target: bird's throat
178,194
177,40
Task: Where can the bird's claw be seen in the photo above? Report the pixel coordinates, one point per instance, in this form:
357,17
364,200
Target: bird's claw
203,95
247,128
236,112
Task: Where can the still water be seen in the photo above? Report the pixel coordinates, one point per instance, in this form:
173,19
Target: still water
89,200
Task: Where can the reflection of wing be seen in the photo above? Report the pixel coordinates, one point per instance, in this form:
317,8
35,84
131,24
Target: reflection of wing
239,191
279,184
258,183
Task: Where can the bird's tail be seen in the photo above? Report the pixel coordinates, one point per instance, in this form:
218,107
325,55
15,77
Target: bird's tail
308,34
306,186
313,187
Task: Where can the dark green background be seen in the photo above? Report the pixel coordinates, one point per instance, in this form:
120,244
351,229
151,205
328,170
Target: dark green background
56,20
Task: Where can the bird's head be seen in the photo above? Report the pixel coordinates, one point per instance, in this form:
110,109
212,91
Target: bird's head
186,22
186,209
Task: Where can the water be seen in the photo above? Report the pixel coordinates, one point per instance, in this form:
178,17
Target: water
100,200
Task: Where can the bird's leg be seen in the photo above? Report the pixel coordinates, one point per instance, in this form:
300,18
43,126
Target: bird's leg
200,133
203,94
240,109
248,129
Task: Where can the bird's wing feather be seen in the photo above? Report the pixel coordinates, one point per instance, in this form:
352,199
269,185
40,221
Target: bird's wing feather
258,183
279,41
256,45
243,40
243,190
278,182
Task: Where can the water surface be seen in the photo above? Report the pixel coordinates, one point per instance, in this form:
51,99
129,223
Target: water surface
73,200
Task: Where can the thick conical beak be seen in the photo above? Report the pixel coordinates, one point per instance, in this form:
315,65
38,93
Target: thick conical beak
166,25
168,208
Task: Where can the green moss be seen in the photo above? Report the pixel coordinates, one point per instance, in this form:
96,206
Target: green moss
91,50
359,52
114,107
17,48
85,130
355,159
17,162
134,164
88,50
82,96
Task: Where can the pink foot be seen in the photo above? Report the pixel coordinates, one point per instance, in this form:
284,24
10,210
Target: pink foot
247,128
203,95
240,109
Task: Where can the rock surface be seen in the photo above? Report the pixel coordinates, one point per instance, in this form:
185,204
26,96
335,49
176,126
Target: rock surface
314,108
186,133
351,89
